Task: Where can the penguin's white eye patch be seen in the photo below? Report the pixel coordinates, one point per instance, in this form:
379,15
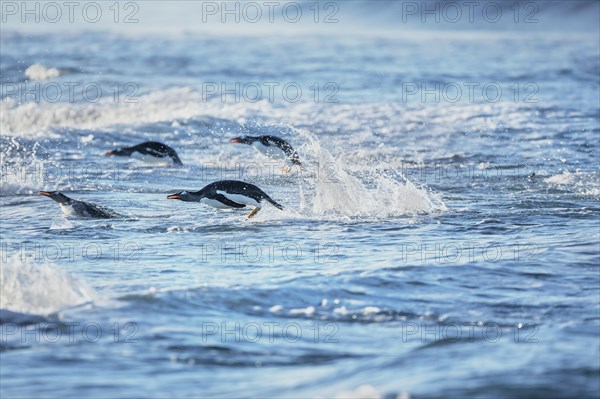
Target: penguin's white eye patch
184,193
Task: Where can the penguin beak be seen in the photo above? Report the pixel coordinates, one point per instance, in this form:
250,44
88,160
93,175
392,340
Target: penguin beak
45,193
109,154
174,196
235,140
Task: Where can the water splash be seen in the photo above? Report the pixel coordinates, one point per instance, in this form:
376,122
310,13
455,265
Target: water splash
61,223
38,288
376,193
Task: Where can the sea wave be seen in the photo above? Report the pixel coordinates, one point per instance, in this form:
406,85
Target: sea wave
37,288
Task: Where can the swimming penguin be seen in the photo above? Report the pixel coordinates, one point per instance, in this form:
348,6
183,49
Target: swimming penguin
228,194
70,206
273,147
149,151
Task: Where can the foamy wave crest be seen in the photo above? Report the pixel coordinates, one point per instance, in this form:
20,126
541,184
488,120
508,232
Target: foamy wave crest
565,177
33,119
583,183
39,288
41,72
39,119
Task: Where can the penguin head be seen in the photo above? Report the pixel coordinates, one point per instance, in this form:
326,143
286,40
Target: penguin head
185,196
243,140
56,196
120,152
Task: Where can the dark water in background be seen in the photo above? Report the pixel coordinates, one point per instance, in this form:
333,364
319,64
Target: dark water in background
430,248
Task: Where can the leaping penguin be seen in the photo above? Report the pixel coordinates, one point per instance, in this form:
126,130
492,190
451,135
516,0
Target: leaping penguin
148,151
273,147
228,194
70,206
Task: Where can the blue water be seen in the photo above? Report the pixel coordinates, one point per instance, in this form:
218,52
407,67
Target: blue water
435,245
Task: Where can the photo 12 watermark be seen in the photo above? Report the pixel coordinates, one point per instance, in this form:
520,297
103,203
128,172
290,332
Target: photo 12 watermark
471,12
270,332
70,91
253,12
271,92
265,253
116,252
65,332
465,252
461,172
69,172
469,92
77,172
55,12
423,332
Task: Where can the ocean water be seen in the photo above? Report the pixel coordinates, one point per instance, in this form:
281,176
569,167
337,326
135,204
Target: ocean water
442,239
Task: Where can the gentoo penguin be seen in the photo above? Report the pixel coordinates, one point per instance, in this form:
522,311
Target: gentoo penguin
273,147
70,206
149,151
228,194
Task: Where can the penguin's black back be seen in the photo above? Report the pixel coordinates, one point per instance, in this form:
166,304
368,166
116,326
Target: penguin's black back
157,149
283,145
94,211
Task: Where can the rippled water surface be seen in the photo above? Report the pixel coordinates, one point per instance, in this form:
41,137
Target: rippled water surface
428,248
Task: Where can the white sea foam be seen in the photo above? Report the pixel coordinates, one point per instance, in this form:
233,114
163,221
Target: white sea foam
275,308
361,392
582,183
371,310
563,178
308,311
41,72
363,121
39,288
39,119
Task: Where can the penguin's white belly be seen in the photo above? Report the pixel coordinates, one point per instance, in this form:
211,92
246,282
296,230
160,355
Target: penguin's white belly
214,203
76,209
68,210
150,159
240,199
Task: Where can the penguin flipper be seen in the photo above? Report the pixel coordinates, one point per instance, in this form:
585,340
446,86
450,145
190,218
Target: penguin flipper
223,199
